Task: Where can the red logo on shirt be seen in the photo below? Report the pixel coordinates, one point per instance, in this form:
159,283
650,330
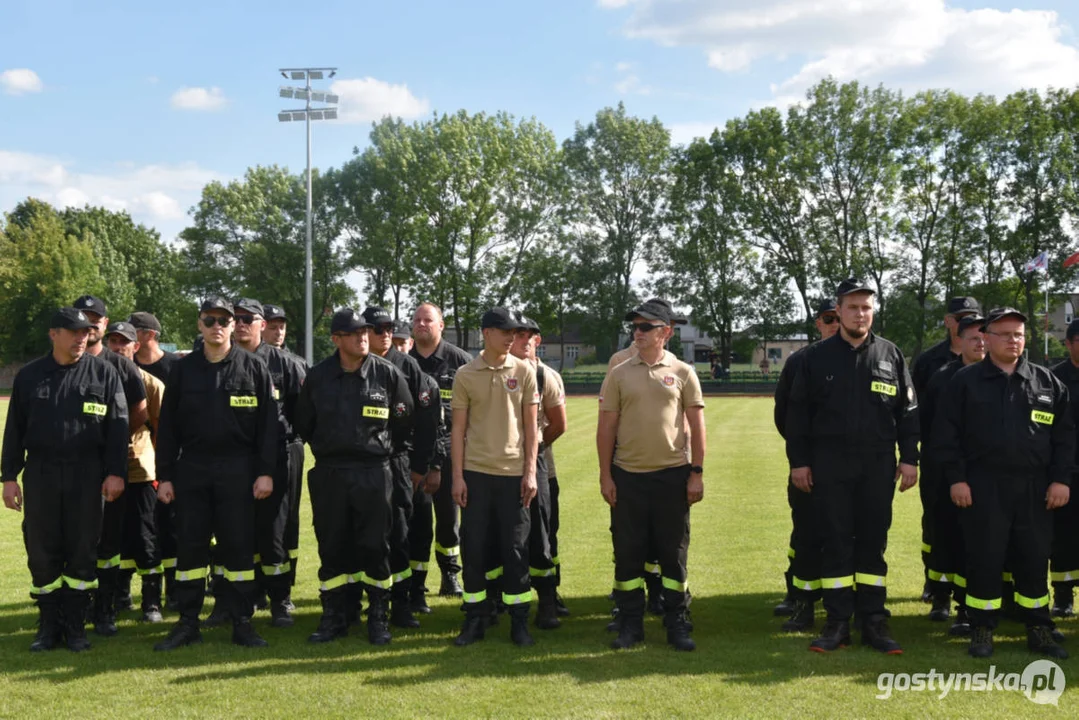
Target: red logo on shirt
668,380
511,384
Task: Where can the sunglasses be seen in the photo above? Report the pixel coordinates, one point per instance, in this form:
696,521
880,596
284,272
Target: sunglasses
383,330
245,319
828,319
645,327
210,320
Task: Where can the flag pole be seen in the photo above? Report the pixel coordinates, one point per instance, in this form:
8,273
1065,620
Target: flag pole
1047,319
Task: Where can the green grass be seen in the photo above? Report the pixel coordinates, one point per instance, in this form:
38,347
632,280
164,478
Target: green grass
743,667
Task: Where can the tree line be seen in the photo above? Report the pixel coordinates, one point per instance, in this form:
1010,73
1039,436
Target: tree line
928,197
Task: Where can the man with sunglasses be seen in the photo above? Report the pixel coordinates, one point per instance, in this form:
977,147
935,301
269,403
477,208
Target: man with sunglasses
921,372
852,402
1005,437
354,409
804,553
275,555
114,586
1064,560
645,476
67,433
946,560
217,450
412,459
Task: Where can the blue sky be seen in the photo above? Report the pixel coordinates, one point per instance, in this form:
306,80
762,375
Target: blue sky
136,105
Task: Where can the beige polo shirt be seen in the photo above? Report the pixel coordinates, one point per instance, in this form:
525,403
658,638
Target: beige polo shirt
554,394
621,356
650,401
495,398
140,452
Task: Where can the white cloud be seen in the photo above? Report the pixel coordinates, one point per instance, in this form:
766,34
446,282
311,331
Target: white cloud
20,81
157,195
907,44
685,132
369,100
629,83
197,98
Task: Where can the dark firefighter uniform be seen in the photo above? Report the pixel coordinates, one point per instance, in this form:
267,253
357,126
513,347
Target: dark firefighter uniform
67,430
435,517
849,407
543,548
413,454
1008,437
922,370
1064,557
545,375
351,421
218,433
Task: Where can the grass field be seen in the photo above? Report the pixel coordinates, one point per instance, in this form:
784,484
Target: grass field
743,667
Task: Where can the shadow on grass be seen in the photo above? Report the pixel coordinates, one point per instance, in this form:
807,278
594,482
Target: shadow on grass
738,641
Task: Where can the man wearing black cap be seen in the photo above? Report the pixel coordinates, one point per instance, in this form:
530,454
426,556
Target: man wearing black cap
1064,559
402,336
1005,436
353,407
921,371
67,428
947,558
494,444
114,586
150,357
274,554
276,325
411,461
140,551
217,451
851,403
435,516
803,572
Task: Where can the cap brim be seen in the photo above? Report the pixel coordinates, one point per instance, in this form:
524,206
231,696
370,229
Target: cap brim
997,318
646,315
869,290
78,325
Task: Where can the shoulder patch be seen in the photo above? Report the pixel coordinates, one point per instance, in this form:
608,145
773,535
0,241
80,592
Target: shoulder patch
425,398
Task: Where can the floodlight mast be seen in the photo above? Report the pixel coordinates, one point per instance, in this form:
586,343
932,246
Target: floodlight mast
307,74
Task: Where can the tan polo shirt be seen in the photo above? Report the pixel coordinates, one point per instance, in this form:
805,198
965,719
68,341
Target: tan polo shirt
140,452
621,356
495,398
650,401
554,394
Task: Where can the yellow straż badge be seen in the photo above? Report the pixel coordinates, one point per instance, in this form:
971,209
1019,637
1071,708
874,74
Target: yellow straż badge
883,388
90,408
1044,418
243,401
376,412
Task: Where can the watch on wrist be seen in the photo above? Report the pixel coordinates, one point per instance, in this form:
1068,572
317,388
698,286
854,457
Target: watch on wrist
696,469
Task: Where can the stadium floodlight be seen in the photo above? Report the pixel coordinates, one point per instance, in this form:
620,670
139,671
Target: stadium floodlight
308,114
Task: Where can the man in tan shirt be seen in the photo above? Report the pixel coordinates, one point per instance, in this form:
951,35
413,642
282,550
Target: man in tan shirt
641,440
493,450
139,548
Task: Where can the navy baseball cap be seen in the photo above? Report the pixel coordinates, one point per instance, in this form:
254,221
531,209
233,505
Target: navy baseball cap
660,312
826,306
347,320
499,317
123,329
853,285
144,321
402,330
90,303
1000,313
958,305
70,318
274,312
216,303
377,316
970,321
249,305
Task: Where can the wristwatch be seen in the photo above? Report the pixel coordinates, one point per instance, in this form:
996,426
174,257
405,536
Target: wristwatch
696,469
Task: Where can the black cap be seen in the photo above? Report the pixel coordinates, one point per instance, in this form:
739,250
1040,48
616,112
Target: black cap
249,305
1073,329
347,320
216,303
826,306
968,321
499,317
274,312
676,317
89,303
853,285
402,330
70,319
525,323
144,321
652,311
998,314
123,329
377,316
963,305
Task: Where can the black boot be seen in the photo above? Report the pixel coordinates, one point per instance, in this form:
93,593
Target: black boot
170,590
836,634
961,625
353,603
927,591
1040,640
244,634
182,633
1062,601
104,601
942,603
378,628
654,583
333,624
221,614
123,601
786,606
981,642
802,617
450,586
475,624
615,624
678,631
630,618
151,599
875,634
417,594
50,633
547,610
560,604
73,613
401,605
519,626
280,614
